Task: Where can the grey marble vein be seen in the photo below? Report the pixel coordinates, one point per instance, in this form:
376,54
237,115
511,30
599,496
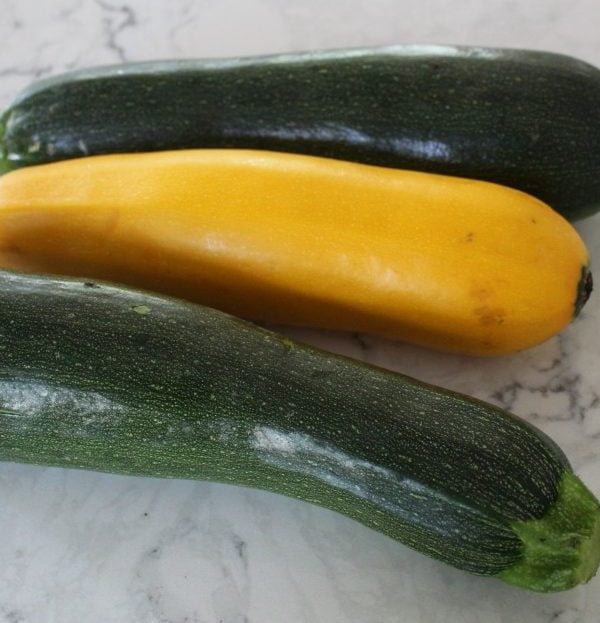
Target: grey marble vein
118,18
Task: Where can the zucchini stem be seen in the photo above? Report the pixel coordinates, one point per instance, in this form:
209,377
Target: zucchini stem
562,549
4,166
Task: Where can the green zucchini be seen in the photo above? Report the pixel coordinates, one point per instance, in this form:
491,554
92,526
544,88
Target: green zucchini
525,119
106,378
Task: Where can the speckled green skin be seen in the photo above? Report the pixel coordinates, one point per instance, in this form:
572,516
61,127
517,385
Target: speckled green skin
99,377
529,120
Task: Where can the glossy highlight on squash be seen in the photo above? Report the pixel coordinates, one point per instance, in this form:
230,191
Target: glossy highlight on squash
445,262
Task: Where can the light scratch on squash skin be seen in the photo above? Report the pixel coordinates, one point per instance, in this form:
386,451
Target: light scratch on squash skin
141,309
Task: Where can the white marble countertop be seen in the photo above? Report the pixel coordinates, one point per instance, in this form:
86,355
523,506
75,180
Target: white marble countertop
90,547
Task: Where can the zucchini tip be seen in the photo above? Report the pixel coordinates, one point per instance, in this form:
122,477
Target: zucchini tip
561,549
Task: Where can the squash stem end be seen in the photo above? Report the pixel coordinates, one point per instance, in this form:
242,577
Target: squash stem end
562,549
584,289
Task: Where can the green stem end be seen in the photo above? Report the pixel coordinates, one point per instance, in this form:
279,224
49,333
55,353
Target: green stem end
4,166
562,549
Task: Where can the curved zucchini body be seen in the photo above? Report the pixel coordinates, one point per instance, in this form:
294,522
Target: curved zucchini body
101,377
524,119
448,263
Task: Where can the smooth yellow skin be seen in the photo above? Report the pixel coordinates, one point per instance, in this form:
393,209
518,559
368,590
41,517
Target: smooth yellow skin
445,262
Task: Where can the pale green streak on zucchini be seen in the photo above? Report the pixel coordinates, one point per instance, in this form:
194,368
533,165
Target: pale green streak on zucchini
182,391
